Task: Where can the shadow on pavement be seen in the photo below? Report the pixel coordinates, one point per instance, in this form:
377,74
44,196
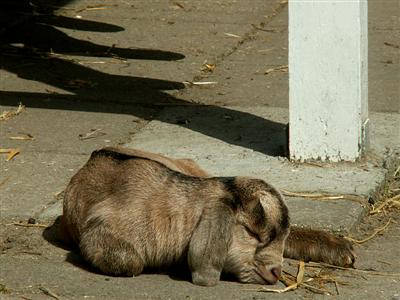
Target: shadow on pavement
177,272
33,49
52,235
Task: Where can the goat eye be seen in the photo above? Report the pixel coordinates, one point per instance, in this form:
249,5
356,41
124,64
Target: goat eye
265,243
252,234
272,234
260,247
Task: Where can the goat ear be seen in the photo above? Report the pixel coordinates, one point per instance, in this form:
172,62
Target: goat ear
254,214
249,191
185,166
243,192
126,153
209,245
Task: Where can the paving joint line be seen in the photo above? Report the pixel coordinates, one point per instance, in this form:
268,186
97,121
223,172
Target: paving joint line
248,36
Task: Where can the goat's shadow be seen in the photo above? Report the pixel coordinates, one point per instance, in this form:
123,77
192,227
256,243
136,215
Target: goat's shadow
51,234
177,272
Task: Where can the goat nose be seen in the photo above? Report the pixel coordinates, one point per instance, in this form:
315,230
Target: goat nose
270,274
276,271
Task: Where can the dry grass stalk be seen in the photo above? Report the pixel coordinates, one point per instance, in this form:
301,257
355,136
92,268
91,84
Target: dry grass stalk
58,193
92,134
4,180
292,282
325,196
300,273
287,279
6,115
115,60
11,153
25,136
207,67
96,7
283,68
314,164
315,289
391,45
176,3
337,287
320,279
379,230
232,35
279,291
293,286
191,83
367,272
263,29
393,201
28,225
48,292
384,262
396,172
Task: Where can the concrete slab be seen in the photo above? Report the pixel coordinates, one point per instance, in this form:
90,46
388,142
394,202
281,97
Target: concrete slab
30,263
158,44
384,63
149,40
384,70
62,141
241,75
77,280
237,141
238,146
247,73
69,132
33,180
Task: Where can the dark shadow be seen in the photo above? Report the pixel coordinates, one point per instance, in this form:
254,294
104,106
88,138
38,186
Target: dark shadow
83,82
74,258
82,25
179,271
33,49
31,24
52,235
42,39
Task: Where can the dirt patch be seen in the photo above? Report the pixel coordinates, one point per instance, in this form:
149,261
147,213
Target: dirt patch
385,211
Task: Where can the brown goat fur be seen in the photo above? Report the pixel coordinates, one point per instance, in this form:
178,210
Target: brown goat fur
129,210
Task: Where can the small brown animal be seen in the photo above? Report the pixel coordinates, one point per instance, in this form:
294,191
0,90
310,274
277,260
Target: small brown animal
128,210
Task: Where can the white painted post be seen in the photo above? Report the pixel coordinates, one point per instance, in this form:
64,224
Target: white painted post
328,79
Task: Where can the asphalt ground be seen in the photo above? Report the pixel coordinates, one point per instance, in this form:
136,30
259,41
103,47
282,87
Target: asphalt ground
92,74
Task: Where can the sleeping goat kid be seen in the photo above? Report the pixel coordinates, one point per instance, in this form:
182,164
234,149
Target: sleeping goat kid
129,210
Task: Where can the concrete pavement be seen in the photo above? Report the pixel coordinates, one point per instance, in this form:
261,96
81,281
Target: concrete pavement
93,75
